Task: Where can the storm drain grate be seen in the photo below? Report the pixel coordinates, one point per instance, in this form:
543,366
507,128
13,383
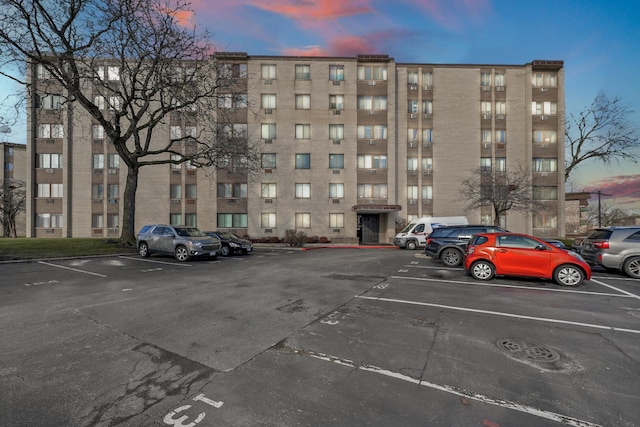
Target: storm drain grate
524,350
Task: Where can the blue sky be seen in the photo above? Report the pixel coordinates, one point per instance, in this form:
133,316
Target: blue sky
599,42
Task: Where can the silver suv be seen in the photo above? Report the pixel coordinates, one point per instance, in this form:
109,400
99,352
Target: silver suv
614,248
181,241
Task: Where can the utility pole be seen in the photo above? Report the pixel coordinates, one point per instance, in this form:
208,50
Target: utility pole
600,194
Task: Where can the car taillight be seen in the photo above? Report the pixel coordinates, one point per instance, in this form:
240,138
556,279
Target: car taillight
429,241
601,245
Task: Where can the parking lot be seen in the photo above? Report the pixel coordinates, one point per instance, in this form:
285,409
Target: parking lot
305,338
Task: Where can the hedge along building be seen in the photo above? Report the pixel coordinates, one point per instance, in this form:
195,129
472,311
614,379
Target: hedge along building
350,147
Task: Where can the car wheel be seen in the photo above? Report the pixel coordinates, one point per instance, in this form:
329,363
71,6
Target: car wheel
632,267
225,250
181,254
411,245
482,270
568,275
451,257
143,250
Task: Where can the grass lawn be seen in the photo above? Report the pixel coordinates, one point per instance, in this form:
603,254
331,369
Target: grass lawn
35,248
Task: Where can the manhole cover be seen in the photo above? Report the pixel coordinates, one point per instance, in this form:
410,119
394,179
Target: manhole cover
524,350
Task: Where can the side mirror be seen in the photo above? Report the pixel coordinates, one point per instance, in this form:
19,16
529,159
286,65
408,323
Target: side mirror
541,247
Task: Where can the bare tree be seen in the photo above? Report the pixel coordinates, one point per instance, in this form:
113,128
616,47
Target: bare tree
602,132
501,190
606,214
13,199
134,69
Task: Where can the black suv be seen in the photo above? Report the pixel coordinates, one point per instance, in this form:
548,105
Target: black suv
449,243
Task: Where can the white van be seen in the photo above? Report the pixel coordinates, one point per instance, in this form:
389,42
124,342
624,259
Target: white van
416,232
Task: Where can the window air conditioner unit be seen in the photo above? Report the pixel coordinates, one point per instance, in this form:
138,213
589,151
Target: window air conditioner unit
372,83
268,111
413,87
500,117
336,230
413,145
372,171
486,116
426,173
500,145
336,200
499,88
336,141
113,171
544,89
268,141
336,82
412,172
268,230
486,145
413,116
372,112
268,200
427,144
427,115
176,171
372,142
543,117
336,112
268,82
486,88
232,200
413,201
113,201
336,171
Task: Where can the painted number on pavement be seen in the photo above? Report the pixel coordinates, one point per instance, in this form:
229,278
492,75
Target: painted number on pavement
179,417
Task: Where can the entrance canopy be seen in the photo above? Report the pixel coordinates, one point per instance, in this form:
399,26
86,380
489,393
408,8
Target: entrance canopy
369,209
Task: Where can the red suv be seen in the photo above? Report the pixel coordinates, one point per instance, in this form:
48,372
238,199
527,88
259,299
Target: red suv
511,254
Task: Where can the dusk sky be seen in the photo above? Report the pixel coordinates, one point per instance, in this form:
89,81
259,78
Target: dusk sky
599,42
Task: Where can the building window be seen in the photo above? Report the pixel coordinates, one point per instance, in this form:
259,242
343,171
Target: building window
412,135
268,190
48,220
97,221
486,135
372,161
48,130
303,72
113,73
336,73
303,191
49,102
412,192
372,102
542,220
427,135
501,136
268,101
501,108
268,220
543,108
412,106
544,80
336,220
98,132
112,191
545,136
175,191
427,80
42,73
268,161
427,106
485,107
175,132
175,219
372,131
114,103
303,131
97,191
336,190
412,164
268,71
113,221
303,102
372,190
303,161
412,77
545,193
225,101
336,132
49,161
500,79
372,72
303,220
234,70
485,79
113,161
191,191
427,164
100,72
232,220
268,131
427,192
98,101
545,164
177,158
49,190
501,164
191,219
485,164
98,161
336,102
336,161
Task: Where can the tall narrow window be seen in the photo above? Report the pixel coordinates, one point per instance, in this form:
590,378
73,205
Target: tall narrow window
269,131
412,77
427,80
336,102
336,72
268,71
336,220
303,220
303,102
303,72
336,132
336,190
303,131
268,101
303,191
268,220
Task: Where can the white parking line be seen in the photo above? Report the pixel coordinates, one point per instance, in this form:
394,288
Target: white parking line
496,285
617,289
499,313
564,419
72,269
157,262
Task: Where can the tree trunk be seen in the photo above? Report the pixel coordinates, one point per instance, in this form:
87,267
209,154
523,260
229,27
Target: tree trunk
128,234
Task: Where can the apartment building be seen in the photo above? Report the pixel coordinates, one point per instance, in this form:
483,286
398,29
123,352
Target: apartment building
351,148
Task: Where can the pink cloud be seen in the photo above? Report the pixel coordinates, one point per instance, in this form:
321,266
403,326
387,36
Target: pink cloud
625,189
302,10
452,14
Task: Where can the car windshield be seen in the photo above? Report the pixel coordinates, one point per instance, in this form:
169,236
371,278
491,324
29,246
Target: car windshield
189,232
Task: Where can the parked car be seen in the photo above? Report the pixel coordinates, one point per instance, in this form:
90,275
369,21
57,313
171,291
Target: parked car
614,248
449,243
182,242
557,243
231,244
512,254
576,245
